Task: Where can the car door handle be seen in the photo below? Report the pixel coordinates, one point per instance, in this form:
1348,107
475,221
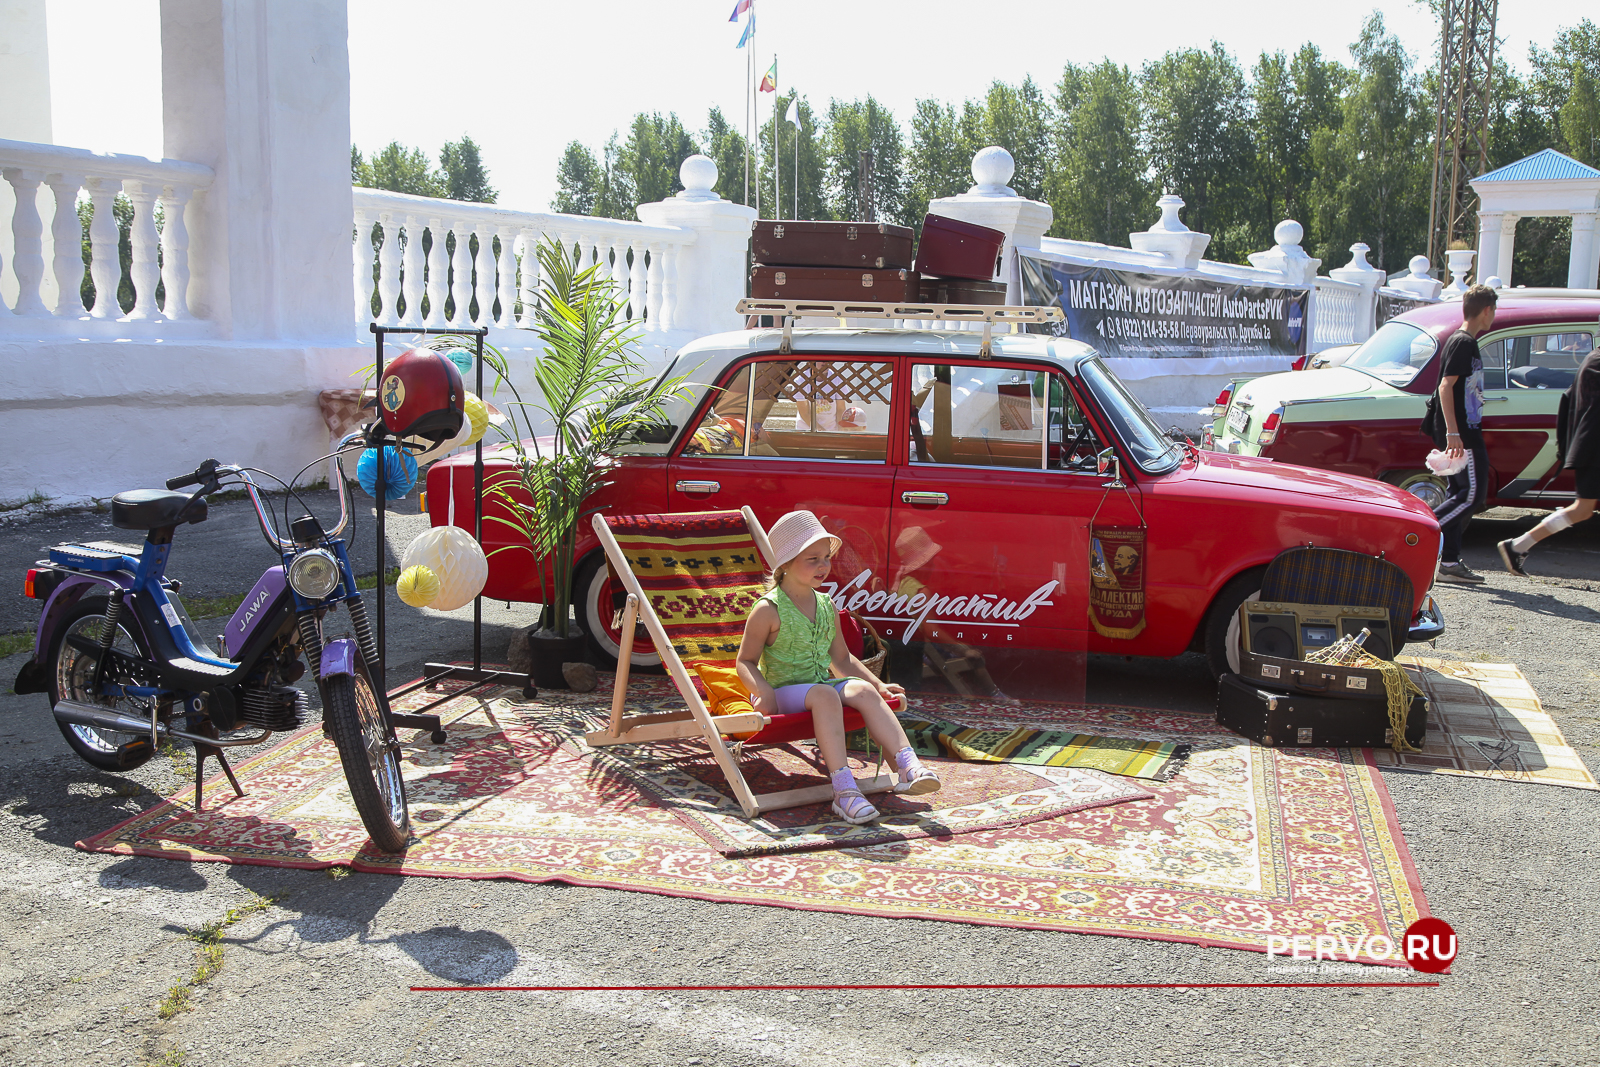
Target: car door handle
1494,399
699,487
925,498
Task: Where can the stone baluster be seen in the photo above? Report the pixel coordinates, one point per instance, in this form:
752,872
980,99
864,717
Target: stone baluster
461,274
144,272
652,321
175,252
66,234
411,273
507,274
27,247
105,267
438,271
636,282
389,271
361,270
529,283
483,282
586,258
669,286
619,264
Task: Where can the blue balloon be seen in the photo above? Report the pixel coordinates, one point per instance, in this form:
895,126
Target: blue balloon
399,472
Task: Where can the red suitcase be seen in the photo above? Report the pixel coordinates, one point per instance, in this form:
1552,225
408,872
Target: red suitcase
961,291
833,283
951,248
865,245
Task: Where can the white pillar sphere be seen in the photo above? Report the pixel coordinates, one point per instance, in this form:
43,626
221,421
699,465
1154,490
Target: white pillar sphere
1289,232
993,167
698,174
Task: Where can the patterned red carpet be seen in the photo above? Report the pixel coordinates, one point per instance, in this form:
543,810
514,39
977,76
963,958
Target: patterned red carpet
1244,843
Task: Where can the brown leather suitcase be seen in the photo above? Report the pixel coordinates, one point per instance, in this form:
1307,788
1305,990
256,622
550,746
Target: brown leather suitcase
867,245
833,283
951,248
961,291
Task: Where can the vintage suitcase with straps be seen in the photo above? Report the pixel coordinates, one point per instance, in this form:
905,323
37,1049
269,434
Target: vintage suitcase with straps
833,283
865,245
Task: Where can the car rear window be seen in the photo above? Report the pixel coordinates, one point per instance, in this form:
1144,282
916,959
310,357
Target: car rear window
1395,354
800,409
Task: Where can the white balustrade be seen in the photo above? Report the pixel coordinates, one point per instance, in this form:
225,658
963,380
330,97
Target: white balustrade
641,259
1336,322
160,255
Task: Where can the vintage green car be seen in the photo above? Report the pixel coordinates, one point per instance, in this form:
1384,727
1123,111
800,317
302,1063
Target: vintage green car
1363,417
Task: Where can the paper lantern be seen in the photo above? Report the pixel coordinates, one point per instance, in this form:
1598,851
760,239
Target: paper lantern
463,359
418,586
455,559
399,472
477,418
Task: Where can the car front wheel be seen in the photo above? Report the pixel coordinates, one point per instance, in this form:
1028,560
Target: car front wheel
600,622
1223,640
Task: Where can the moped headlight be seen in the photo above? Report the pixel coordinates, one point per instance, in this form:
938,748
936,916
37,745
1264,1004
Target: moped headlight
314,574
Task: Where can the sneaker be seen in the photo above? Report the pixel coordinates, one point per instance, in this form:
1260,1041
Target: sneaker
1512,558
1459,573
921,781
854,808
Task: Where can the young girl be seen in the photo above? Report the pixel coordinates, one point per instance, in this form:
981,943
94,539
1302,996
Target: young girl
792,643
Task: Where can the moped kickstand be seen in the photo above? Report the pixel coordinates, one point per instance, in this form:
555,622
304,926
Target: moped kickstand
200,754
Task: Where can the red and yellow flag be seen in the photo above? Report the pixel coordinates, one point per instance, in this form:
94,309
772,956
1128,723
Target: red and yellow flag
769,80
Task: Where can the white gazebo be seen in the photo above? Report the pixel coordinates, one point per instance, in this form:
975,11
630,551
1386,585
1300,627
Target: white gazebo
1545,183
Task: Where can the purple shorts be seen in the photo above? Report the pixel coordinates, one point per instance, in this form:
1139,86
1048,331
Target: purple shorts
792,698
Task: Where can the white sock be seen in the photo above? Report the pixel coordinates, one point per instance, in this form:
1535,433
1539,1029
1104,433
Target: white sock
1523,544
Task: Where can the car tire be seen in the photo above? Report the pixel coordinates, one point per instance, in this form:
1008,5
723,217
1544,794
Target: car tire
1222,622
1424,485
595,615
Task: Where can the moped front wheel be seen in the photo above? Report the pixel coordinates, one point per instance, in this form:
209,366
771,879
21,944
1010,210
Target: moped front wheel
71,672
371,760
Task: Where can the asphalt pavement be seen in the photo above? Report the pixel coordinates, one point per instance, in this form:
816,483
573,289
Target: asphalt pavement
94,942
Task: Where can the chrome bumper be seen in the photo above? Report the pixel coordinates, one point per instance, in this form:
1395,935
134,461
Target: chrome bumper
1428,623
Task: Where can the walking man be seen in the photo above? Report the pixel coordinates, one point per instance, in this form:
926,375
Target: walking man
1458,429
1580,421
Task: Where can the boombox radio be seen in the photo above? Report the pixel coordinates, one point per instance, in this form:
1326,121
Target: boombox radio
1289,631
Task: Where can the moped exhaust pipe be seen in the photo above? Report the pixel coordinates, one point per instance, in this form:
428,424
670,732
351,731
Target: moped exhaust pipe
78,713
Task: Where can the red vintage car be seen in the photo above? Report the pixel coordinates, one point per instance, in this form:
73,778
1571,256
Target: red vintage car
1363,416
965,487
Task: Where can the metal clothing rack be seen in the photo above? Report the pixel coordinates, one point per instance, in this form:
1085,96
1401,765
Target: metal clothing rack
433,673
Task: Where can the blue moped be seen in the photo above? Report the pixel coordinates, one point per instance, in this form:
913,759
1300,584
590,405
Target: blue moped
126,670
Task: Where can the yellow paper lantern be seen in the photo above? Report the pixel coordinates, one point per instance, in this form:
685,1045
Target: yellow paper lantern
418,586
477,418
455,559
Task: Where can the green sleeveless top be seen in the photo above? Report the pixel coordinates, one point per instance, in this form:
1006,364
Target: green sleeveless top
800,651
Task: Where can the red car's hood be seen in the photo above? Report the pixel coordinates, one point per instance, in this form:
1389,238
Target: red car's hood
1287,478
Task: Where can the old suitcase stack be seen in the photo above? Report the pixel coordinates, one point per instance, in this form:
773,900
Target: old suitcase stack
957,262
864,261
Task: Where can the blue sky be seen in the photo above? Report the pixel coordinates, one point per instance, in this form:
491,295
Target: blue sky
525,77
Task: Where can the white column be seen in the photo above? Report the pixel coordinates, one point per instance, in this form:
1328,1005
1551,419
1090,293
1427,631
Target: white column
66,237
706,271
105,266
636,281
1580,264
27,232
25,72
389,271
1489,244
1364,274
1508,241
528,284
143,273
411,273
361,266
507,271
652,312
175,252
461,274
438,274
483,273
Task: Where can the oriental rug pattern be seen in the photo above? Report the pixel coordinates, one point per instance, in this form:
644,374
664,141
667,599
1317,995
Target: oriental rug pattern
1245,843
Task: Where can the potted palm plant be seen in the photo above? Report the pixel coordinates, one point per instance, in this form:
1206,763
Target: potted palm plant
596,394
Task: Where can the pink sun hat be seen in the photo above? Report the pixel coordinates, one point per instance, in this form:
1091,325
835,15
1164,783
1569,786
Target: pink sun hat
794,533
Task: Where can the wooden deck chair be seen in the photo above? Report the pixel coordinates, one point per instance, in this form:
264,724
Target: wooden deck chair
693,578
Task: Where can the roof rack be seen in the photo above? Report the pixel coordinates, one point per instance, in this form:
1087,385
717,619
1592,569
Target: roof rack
988,314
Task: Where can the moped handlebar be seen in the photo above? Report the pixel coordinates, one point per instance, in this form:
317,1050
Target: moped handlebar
200,475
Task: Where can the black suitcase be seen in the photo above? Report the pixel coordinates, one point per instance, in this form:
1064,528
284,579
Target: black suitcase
865,245
1272,718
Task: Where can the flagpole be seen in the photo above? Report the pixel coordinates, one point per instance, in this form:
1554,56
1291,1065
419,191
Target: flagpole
796,160
749,63
777,176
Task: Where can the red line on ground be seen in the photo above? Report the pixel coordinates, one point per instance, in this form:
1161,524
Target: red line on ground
1028,985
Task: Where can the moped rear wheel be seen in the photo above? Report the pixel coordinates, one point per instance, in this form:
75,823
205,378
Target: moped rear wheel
371,761
71,671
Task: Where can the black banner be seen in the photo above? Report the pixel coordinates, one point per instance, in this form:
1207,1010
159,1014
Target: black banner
1123,313
1390,306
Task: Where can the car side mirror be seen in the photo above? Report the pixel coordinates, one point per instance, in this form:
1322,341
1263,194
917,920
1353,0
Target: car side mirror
1106,462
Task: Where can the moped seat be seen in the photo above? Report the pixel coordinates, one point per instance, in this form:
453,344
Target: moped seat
151,509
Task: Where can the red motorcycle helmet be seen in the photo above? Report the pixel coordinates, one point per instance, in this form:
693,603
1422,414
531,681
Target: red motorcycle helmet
421,395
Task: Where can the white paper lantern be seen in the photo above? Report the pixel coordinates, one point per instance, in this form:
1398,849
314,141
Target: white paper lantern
455,558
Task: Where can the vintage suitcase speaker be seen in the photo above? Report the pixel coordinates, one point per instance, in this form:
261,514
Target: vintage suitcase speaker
868,245
1274,719
1312,575
951,248
1289,631
961,291
1314,679
833,283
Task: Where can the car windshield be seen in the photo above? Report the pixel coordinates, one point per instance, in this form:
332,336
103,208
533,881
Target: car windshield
1152,450
1395,354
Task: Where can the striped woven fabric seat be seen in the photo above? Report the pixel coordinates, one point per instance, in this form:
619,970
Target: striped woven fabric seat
1311,575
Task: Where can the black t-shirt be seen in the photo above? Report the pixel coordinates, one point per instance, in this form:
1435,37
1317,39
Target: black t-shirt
1462,361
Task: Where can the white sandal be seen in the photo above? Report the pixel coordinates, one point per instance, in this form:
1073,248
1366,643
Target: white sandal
920,782
853,807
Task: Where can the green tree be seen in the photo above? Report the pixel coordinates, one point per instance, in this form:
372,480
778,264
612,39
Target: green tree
1566,85
938,160
1196,131
1098,185
856,126
1374,172
360,169
647,166
465,177
1018,120
1292,99
578,181
810,175
726,147
402,170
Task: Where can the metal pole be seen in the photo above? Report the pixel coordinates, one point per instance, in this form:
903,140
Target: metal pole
777,176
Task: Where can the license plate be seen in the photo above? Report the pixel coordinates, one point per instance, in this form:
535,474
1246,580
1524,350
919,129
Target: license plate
1238,419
